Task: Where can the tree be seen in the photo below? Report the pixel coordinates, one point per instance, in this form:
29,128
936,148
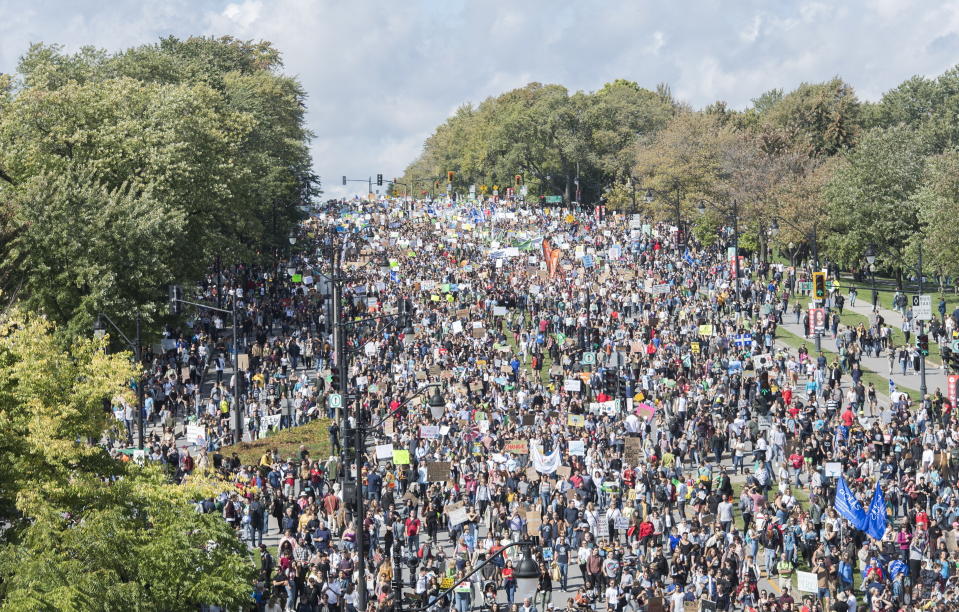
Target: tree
82,530
683,163
204,132
824,118
869,198
937,201
138,544
51,404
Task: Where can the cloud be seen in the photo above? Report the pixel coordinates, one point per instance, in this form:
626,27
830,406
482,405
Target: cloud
381,75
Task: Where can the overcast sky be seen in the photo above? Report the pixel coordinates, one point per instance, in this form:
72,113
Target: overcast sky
381,75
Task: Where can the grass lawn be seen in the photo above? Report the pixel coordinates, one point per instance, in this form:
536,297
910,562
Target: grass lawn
314,435
887,289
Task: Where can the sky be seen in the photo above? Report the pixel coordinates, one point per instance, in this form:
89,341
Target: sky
381,75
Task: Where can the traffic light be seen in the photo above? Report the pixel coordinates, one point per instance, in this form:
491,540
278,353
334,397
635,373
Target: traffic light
922,341
436,184
379,180
334,378
344,180
176,294
519,179
947,357
819,285
449,176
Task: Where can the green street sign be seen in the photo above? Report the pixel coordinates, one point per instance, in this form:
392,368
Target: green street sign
554,199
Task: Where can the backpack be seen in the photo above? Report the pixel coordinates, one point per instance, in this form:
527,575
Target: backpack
661,493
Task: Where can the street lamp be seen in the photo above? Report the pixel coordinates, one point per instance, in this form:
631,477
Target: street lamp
527,576
648,198
733,212
292,239
871,260
99,330
773,228
437,404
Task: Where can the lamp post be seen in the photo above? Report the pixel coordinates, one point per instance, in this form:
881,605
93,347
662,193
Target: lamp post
176,299
98,331
813,237
922,331
871,260
732,212
651,196
526,574
360,432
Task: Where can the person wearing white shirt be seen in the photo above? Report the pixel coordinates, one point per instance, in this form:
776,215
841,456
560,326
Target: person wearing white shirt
612,598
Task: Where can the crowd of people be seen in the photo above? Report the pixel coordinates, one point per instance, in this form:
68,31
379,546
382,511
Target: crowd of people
613,399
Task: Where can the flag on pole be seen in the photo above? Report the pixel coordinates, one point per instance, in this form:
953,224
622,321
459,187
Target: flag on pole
876,517
848,506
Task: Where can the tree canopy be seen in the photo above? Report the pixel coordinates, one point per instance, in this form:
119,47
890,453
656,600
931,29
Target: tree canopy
197,147
836,174
82,530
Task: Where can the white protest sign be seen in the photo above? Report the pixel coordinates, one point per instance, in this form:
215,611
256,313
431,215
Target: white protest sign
384,451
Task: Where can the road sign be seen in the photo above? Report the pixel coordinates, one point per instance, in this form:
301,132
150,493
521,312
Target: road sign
922,307
554,199
955,346
589,358
335,400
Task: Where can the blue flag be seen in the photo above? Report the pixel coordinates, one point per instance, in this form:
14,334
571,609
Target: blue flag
876,517
848,506
898,567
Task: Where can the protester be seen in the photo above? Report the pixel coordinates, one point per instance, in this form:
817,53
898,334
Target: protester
611,393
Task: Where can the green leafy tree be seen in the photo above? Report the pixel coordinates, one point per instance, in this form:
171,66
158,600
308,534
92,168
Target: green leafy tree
937,201
870,198
83,531
137,544
205,132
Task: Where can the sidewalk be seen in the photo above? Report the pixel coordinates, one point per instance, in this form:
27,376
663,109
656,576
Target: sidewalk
935,377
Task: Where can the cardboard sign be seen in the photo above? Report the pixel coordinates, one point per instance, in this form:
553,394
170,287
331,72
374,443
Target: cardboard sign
438,471
528,420
384,451
576,420
602,526
633,450
577,448
457,516
564,472
243,361
430,432
517,447
571,384
401,457
807,582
